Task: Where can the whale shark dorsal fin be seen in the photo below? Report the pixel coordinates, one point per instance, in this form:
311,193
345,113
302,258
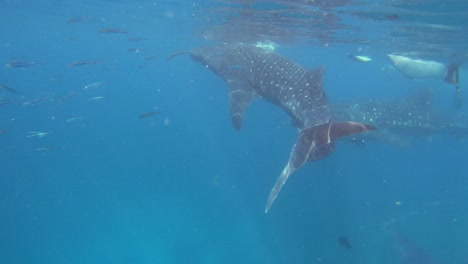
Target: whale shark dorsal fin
240,96
422,98
315,75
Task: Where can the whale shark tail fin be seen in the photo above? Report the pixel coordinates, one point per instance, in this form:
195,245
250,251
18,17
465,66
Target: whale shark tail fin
317,142
314,143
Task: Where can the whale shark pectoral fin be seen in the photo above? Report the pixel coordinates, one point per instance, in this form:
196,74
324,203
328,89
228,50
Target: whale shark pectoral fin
288,170
240,97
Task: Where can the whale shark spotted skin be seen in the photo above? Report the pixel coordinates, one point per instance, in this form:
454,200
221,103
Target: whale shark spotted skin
402,120
252,72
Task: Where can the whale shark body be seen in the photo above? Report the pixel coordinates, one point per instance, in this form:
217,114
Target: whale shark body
408,251
253,72
402,120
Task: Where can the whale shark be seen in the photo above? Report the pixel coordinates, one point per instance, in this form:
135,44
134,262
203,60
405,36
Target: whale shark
408,251
402,120
253,72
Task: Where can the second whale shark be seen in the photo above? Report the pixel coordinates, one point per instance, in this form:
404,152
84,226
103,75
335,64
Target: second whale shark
254,72
402,120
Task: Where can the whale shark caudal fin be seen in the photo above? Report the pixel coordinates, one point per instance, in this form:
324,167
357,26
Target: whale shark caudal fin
314,143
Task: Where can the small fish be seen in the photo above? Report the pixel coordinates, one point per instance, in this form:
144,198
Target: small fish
45,148
36,100
22,64
74,119
96,98
7,148
67,97
77,19
136,50
2,131
359,58
145,115
137,39
7,101
94,85
113,31
6,88
38,134
151,58
83,63
175,54
392,17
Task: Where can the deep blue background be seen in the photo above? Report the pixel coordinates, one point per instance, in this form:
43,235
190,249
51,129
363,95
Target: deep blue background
184,186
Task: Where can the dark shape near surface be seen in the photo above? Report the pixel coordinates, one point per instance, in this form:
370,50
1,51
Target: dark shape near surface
253,72
151,58
113,31
392,17
77,19
344,242
148,114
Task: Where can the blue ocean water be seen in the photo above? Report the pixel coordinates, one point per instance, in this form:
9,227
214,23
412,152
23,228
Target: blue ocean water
84,180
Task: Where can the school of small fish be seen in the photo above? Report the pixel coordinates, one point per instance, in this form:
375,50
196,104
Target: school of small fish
11,96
